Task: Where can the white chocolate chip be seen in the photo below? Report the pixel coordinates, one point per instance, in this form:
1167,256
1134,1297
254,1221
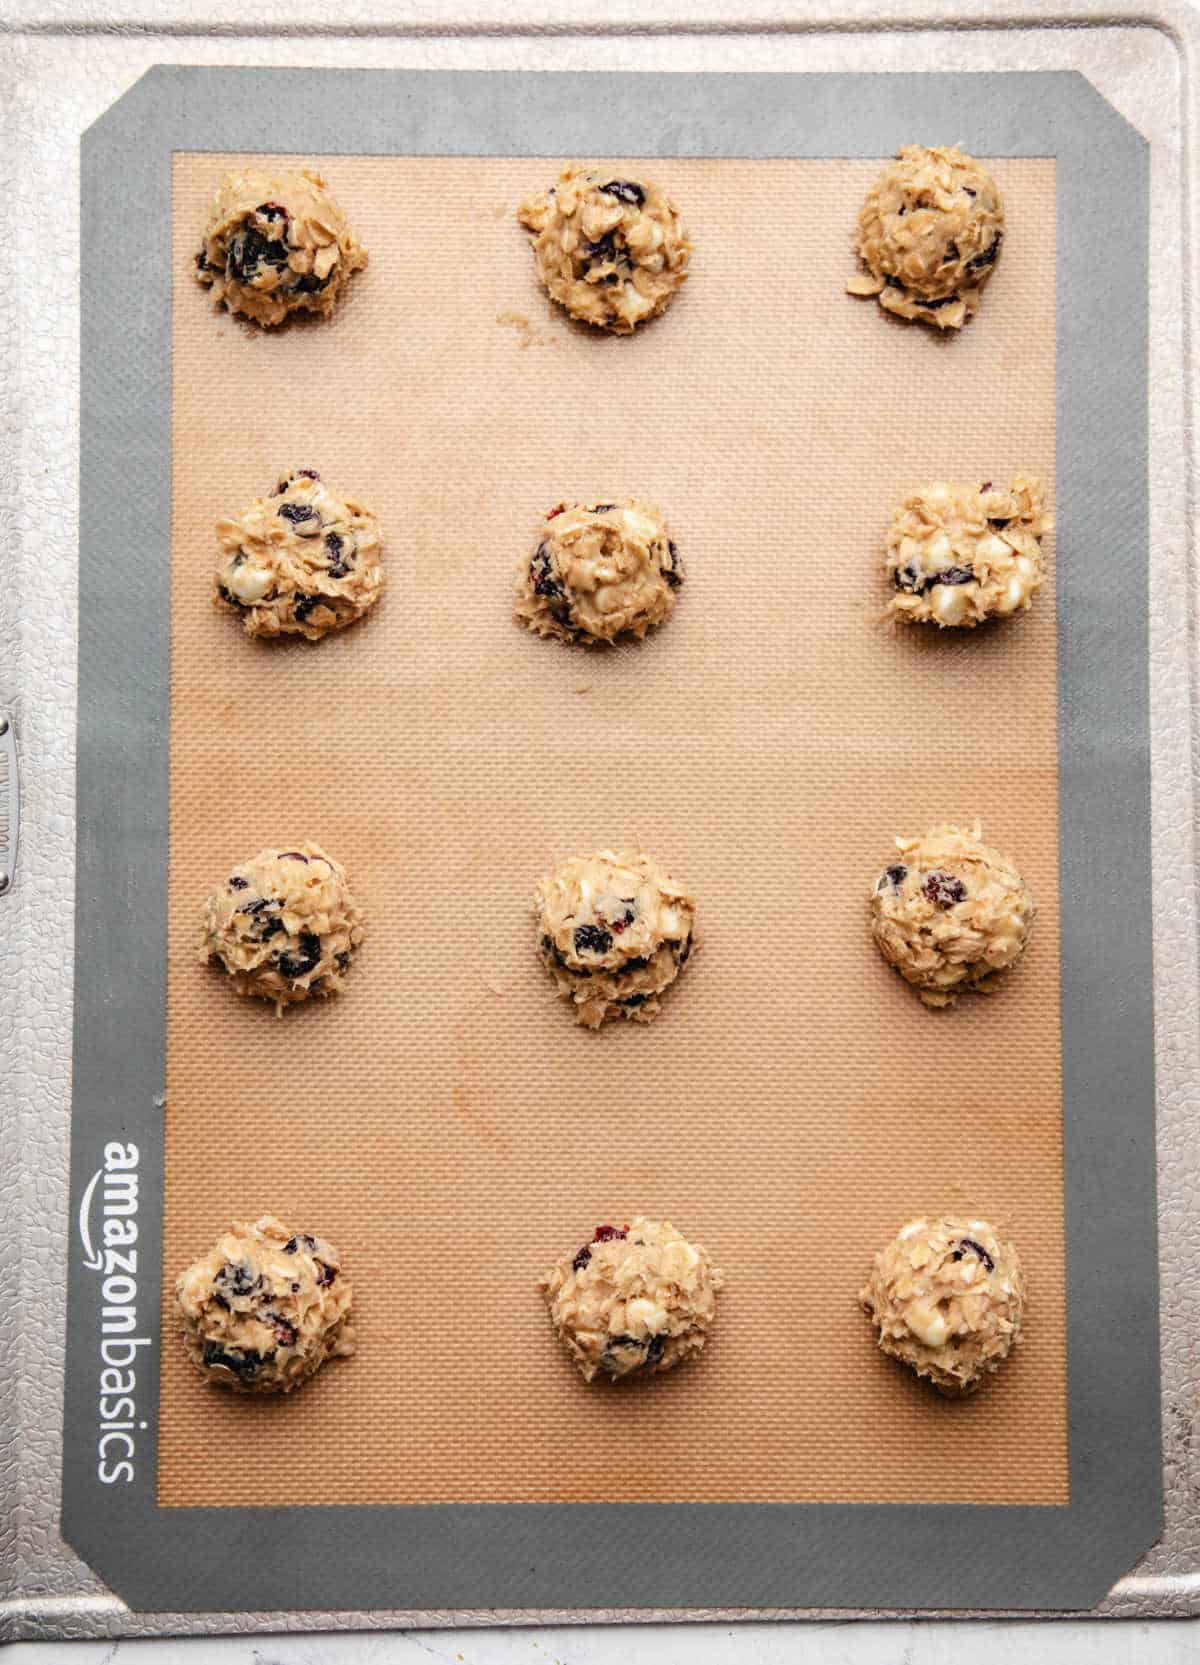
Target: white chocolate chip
949,603
927,1323
646,1315
249,583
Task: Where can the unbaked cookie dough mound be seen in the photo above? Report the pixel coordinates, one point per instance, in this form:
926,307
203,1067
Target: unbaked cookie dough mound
264,1308
612,251
277,244
614,931
600,571
302,562
951,913
958,555
637,1299
929,235
947,1298
284,925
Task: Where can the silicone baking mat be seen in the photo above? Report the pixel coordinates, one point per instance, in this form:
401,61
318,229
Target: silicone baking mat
445,1123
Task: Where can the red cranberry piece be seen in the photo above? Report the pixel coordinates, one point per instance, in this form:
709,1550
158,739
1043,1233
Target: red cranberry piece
608,1234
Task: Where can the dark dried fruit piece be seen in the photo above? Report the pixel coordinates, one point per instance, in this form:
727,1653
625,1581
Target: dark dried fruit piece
248,251
228,596
297,513
290,1247
338,563
603,252
304,605
950,575
541,571
944,890
343,959
242,1364
581,1259
308,283
968,1245
673,567
295,965
634,1000
238,883
602,509
286,1334
639,962
590,939
325,1274
292,855
894,876
257,905
202,262
940,300
625,190
986,257
235,1279
655,1348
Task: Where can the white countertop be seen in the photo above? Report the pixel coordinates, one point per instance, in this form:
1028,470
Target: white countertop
1082,1642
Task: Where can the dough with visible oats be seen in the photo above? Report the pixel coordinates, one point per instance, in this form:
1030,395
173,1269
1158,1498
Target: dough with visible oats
929,235
614,931
958,555
637,1299
599,571
264,1308
276,244
284,925
302,562
947,1298
612,251
951,913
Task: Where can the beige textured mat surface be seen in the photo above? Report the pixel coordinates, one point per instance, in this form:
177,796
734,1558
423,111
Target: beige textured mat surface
445,1124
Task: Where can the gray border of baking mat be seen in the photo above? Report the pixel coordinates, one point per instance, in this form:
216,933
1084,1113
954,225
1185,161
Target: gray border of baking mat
651,1555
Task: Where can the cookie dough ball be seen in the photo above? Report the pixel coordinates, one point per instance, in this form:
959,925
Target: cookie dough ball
614,931
951,913
946,1297
264,1308
929,235
612,251
599,571
277,244
301,562
284,925
958,555
636,1299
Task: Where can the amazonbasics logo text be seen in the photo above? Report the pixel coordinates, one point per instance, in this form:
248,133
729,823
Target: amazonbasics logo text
108,1233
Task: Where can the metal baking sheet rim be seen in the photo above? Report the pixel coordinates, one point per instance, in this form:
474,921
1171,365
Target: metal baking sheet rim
32,621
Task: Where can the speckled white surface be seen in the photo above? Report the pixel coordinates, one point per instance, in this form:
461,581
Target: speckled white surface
59,74
1085,1642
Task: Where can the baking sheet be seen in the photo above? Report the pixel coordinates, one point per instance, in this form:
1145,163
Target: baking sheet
446,1124
315,1592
